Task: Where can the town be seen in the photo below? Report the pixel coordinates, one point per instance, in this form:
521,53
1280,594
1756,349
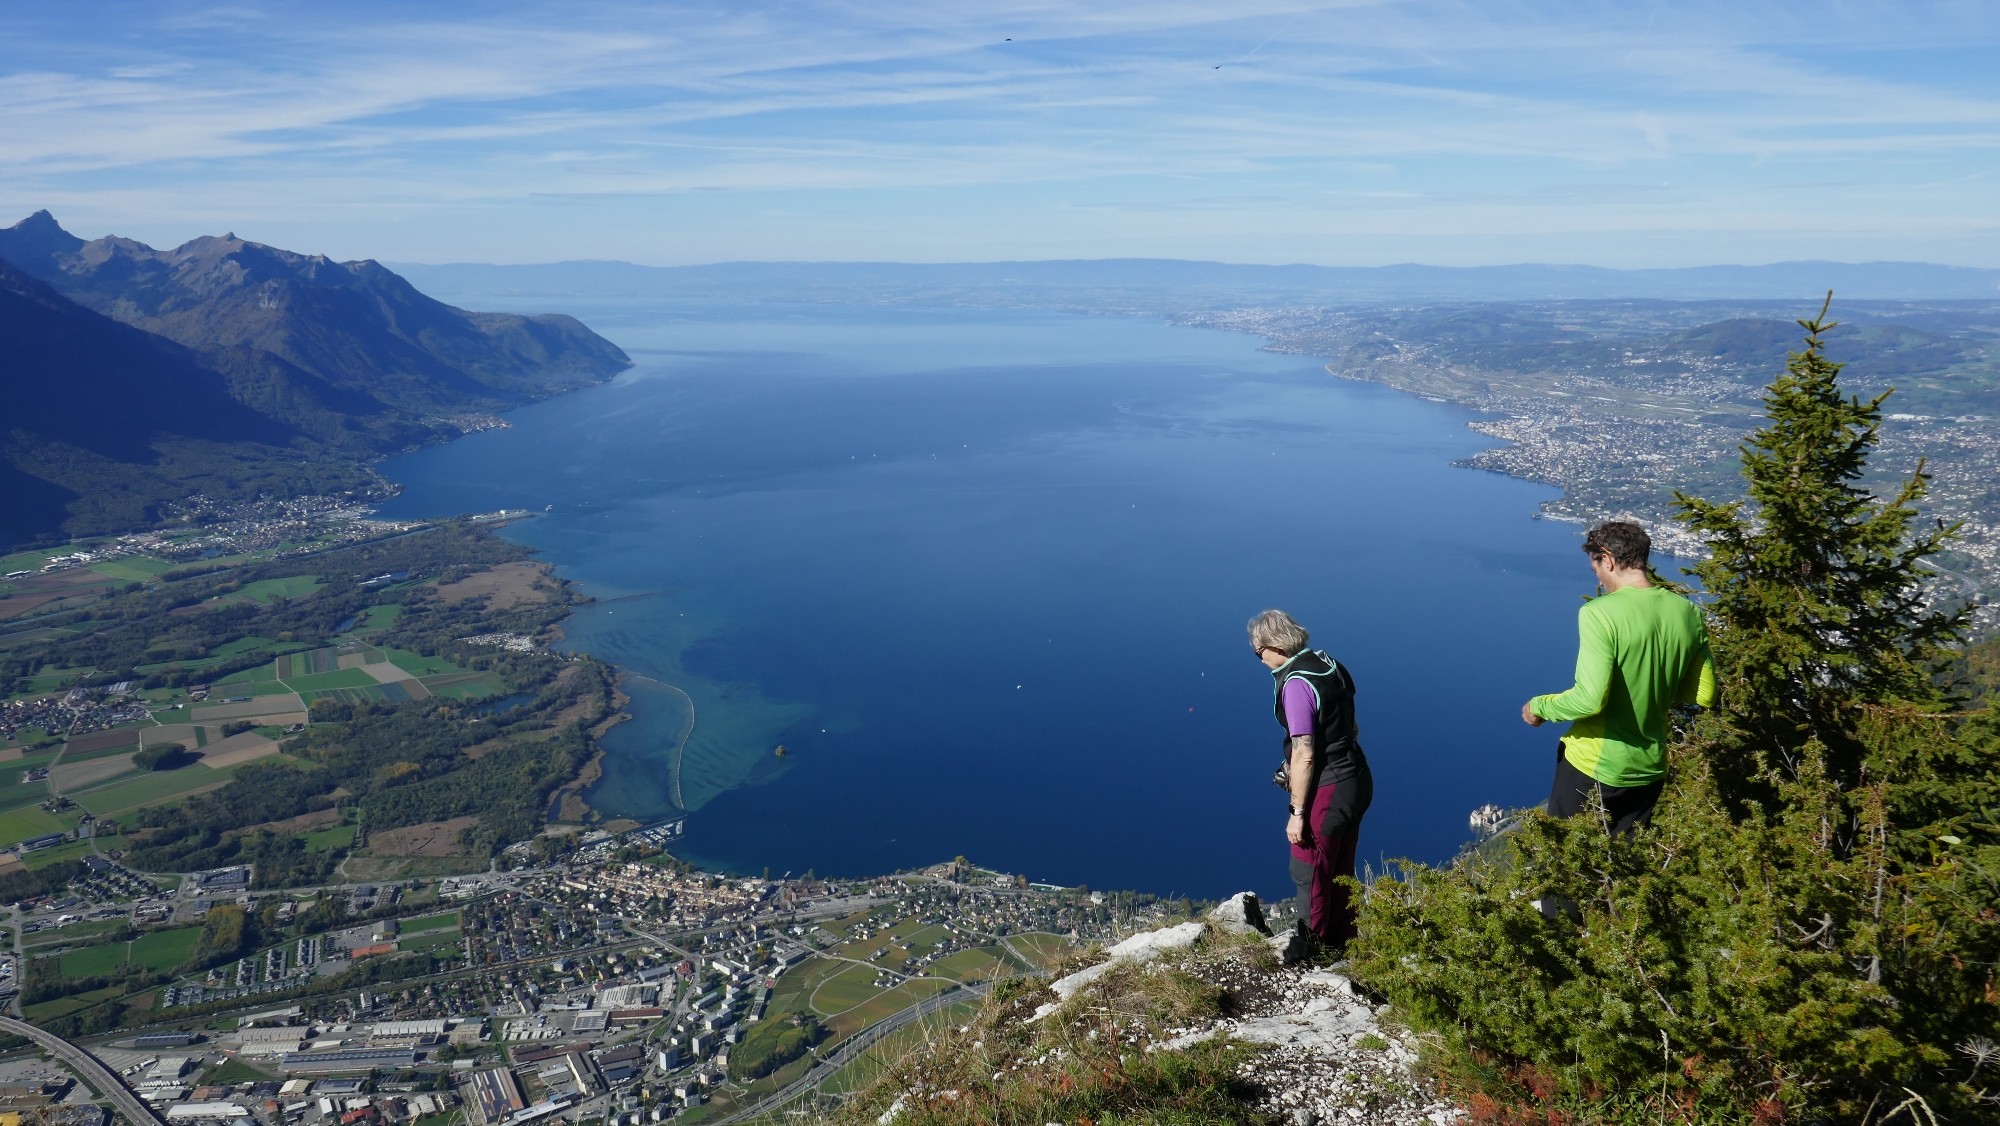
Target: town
618,986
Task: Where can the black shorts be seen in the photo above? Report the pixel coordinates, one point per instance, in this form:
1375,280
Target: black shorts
1628,807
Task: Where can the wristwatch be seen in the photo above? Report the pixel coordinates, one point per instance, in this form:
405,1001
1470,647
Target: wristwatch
1296,811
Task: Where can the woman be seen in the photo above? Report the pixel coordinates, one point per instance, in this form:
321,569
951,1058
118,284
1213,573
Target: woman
1324,771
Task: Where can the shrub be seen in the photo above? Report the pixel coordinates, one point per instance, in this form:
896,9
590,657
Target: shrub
1811,926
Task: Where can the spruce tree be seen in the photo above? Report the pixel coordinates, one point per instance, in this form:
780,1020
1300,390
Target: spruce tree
1810,930
1819,591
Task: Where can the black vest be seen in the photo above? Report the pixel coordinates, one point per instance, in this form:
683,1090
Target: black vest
1336,743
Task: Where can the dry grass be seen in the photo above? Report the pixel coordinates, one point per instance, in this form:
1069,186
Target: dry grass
1091,1060
76,775
505,587
246,747
432,838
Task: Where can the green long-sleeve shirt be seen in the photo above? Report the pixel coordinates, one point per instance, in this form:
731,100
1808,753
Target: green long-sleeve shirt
1640,650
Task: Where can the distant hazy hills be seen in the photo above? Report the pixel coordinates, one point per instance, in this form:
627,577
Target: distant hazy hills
1145,280
134,376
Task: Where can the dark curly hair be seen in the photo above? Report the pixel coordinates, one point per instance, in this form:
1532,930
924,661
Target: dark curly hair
1626,543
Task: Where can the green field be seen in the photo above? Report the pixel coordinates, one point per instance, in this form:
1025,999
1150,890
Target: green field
246,676
161,951
165,950
13,791
151,789
48,680
43,858
326,840
133,569
870,1065
465,685
852,986
432,940
372,694
431,922
420,666
378,618
884,1005
62,1005
94,961
30,560
240,646
325,681
1041,947
268,591
28,822
984,963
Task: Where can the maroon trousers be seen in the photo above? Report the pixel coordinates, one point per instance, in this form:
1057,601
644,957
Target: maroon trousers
1332,831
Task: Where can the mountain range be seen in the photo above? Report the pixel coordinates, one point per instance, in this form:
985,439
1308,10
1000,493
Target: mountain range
135,376
1149,283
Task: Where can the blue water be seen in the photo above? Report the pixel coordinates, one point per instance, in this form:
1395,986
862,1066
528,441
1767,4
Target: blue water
984,575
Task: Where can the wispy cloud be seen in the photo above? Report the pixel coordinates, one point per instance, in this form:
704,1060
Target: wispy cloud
370,108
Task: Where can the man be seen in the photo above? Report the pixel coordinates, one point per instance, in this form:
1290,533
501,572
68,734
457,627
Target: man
1641,649
1324,772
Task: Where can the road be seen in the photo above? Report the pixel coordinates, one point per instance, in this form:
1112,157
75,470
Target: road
855,1045
91,1069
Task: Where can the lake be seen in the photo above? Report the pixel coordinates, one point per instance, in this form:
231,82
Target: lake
983,575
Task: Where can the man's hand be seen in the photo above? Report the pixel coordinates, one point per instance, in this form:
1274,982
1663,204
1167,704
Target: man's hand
1528,715
1295,830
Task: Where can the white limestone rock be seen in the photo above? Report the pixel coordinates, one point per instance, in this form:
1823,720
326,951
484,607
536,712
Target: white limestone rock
1240,914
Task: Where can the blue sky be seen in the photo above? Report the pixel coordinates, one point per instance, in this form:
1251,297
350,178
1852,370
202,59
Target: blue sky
1617,134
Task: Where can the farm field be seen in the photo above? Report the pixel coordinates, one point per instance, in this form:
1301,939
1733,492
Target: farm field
326,840
265,592
431,922
133,568
13,791
355,673
29,822
152,789
1040,947
161,951
983,964
42,858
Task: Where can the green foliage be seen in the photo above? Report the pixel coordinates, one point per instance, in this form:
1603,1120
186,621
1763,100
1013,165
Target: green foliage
32,883
227,933
794,1038
166,756
1820,595
1811,927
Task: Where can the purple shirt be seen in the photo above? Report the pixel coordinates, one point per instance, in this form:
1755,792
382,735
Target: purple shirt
1300,704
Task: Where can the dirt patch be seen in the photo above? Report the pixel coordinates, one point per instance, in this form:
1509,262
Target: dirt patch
9,754
568,803
40,590
103,740
247,747
432,838
505,587
619,825
77,775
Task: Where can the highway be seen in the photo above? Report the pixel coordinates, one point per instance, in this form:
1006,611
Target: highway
855,1045
93,1071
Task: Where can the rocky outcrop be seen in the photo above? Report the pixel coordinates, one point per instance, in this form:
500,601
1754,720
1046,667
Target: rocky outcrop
1327,1056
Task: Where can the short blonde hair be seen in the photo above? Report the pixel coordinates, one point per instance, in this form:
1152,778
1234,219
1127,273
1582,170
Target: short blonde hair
1275,629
